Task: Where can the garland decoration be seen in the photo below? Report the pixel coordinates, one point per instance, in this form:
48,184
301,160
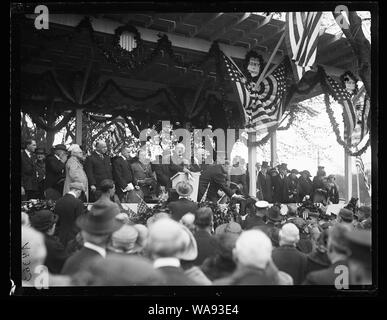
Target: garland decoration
336,130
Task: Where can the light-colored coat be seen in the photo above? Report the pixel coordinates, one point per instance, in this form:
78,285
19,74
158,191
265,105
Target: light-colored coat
75,173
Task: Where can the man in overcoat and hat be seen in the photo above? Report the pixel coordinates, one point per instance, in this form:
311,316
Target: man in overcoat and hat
264,186
184,205
55,170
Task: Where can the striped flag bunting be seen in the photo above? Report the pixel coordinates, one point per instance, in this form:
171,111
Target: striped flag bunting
302,35
142,207
263,105
360,166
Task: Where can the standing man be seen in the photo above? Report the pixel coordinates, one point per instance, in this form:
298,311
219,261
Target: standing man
291,186
55,171
98,168
305,185
41,170
264,186
122,173
29,180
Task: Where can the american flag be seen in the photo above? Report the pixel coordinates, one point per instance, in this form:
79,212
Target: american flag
302,34
341,95
263,105
360,166
142,207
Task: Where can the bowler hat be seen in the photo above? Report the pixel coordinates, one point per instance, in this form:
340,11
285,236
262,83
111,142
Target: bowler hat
43,220
60,147
184,188
40,151
274,214
295,171
346,215
101,219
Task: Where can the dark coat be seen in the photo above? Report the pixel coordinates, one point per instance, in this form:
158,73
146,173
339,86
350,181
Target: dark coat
98,169
56,254
163,174
79,261
122,174
265,187
291,189
252,221
68,208
218,267
280,193
305,187
325,276
333,195
55,173
214,176
29,180
206,246
318,183
176,277
246,276
291,261
180,207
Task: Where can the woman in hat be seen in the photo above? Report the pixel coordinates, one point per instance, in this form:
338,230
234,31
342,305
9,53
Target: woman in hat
75,171
333,192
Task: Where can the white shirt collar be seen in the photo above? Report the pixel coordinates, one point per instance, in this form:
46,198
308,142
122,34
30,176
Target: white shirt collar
56,156
28,153
122,156
71,192
96,248
166,262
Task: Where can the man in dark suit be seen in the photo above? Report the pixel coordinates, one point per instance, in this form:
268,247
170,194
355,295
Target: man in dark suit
184,205
168,243
97,226
29,179
256,218
55,170
204,239
68,208
122,173
45,222
286,257
214,178
98,168
264,183
305,185
338,253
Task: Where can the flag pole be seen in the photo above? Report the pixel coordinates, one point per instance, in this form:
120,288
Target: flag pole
263,73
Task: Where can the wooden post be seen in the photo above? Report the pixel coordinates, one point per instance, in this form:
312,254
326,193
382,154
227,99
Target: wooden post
273,149
252,160
78,127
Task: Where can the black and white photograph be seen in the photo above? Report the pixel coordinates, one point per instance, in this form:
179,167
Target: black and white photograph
172,145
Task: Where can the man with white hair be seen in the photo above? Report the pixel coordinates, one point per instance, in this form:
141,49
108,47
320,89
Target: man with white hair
286,257
74,170
252,254
98,168
169,242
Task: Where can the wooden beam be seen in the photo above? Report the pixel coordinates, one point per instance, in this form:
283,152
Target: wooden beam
273,35
205,24
216,34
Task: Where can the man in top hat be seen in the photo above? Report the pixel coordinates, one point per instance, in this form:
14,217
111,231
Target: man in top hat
264,186
97,226
305,185
40,170
338,253
168,243
68,208
55,170
279,183
98,168
29,180
360,259
256,219
45,221
286,257
184,205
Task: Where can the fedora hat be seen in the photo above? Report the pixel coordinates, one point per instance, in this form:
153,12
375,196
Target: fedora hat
60,147
295,171
101,219
274,214
40,151
184,188
346,215
43,220
306,172
124,240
